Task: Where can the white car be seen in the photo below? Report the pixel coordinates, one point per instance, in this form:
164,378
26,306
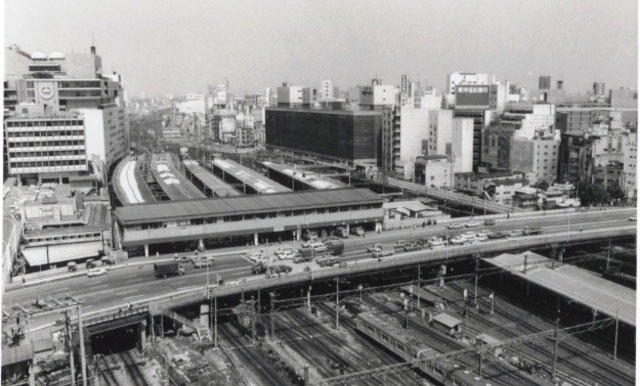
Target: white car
283,249
454,225
256,256
96,272
318,246
287,255
485,232
481,237
457,240
471,224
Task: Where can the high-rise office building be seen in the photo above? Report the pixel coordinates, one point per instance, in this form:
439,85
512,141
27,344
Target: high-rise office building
63,118
544,82
598,89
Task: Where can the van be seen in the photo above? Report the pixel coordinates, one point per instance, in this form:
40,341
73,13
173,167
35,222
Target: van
342,232
204,261
436,243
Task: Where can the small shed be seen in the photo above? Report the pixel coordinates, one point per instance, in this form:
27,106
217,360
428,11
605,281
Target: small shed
486,339
447,323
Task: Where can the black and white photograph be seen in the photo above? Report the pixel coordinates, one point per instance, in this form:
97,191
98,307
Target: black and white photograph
319,193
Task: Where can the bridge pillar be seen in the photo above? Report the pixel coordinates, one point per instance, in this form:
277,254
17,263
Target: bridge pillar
298,234
255,239
142,337
146,250
378,227
348,229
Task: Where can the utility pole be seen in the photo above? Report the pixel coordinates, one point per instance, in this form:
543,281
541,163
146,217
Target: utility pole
272,315
70,347
83,362
492,297
475,288
215,321
608,254
253,321
418,289
556,341
480,357
337,304
615,342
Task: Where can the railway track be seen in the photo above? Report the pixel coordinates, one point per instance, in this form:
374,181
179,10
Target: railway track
567,350
132,369
497,374
107,375
269,375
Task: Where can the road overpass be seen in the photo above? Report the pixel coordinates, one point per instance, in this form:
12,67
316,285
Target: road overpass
137,286
449,196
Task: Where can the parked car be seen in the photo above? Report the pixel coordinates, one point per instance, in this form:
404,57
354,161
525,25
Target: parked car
358,231
283,249
288,255
96,272
454,225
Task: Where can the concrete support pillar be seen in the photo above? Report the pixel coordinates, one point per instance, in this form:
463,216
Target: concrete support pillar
143,334
348,229
255,239
298,234
146,250
378,227
201,244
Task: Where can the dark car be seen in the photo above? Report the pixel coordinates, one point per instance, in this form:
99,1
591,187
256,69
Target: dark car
497,235
412,247
490,222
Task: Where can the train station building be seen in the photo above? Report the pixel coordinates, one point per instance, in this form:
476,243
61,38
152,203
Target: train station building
172,226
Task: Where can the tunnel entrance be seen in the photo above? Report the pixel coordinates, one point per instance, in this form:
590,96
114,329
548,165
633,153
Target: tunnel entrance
117,340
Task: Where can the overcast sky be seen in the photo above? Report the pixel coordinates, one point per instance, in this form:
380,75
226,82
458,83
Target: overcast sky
181,46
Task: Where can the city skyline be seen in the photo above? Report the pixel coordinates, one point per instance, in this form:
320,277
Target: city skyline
187,47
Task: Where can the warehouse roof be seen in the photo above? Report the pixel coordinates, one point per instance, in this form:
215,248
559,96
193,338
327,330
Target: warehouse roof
576,283
177,210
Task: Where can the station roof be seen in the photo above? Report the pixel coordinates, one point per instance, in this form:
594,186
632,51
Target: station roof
172,181
128,184
446,320
307,177
229,206
576,283
217,185
257,181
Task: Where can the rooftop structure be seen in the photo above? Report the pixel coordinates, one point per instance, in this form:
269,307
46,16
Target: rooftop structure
609,298
171,180
249,180
208,183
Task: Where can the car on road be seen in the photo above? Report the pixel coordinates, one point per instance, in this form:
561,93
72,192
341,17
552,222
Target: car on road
257,256
482,237
489,222
457,240
497,235
182,259
455,225
412,247
288,255
319,247
633,218
281,268
471,224
203,261
400,244
515,233
370,248
96,272
332,240
283,249
485,232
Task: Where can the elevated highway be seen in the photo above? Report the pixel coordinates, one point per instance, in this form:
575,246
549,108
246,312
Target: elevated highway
137,286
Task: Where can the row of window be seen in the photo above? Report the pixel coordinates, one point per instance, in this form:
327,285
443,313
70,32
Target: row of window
79,84
260,216
46,143
37,164
44,133
51,153
88,93
47,123
47,239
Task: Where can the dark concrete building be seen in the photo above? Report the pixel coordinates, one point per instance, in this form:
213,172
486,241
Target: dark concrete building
344,134
544,82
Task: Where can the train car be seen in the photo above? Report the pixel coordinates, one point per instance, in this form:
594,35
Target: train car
387,331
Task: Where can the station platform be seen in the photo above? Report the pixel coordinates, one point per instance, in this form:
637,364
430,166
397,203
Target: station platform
211,185
171,180
308,178
250,180
129,185
575,283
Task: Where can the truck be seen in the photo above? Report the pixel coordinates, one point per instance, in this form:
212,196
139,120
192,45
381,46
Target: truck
305,254
342,232
335,248
170,268
382,250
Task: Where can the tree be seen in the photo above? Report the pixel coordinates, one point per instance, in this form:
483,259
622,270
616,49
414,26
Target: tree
592,194
615,192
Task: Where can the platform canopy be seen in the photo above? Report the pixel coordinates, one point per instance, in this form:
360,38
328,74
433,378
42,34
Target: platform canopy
575,283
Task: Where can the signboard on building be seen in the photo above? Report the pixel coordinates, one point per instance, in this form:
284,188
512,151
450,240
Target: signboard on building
472,96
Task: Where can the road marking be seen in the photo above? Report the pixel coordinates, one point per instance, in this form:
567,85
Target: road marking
181,281
189,286
137,280
132,275
126,292
60,290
